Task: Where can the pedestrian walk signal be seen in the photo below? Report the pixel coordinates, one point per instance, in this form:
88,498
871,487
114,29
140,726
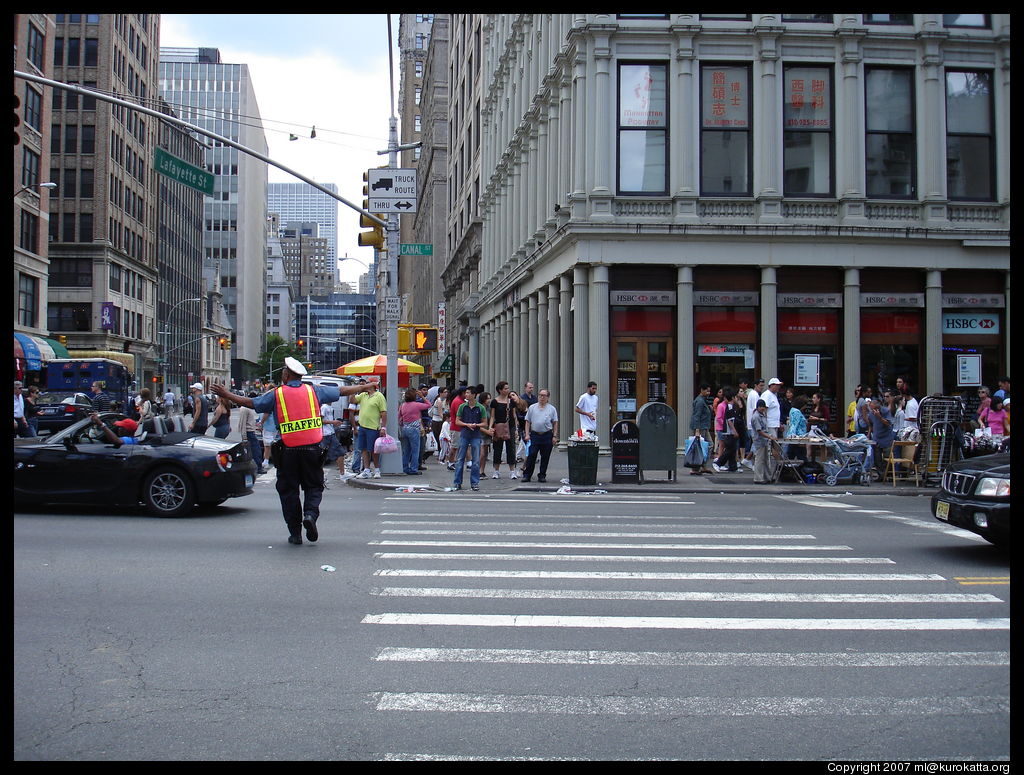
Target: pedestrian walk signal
425,340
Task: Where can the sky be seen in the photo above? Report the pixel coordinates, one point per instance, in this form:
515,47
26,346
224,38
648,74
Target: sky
328,71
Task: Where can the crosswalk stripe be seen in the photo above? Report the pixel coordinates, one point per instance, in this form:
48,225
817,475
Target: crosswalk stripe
527,517
692,706
602,545
683,622
464,524
552,574
584,534
698,658
698,597
630,558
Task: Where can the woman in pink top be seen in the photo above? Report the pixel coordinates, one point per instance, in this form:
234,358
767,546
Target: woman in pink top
995,418
410,429
719,426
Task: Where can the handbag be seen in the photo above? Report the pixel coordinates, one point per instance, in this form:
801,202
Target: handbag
501,432
384,444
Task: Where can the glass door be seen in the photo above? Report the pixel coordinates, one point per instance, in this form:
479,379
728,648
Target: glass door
644,371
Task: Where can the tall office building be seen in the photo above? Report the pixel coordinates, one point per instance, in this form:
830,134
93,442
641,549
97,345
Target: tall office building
103,217
301,203
219,97
670,199
33,53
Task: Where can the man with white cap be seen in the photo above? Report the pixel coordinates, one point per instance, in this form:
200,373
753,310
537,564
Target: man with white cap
296,408
771,400
200,409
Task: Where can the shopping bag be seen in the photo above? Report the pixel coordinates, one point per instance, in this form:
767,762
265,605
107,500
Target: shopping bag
431,443
695,453
385,444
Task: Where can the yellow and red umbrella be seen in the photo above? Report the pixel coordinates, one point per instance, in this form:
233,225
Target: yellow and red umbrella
378,364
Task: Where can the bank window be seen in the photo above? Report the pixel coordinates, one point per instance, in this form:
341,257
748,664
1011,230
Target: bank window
807,131
890,144
970,145
725,139
888,18
980,20
643,129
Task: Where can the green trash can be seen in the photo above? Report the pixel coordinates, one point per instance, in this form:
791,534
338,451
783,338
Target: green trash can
582,462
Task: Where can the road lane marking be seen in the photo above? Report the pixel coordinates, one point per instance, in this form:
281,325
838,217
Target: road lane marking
684,622
595,545
629,558
552,574
698,658
975,580
597,534
692,706
698,597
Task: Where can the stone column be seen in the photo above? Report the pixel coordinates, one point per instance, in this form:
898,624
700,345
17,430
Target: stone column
474,350
851,334
532,343
769,356
933,337
600,344
565,363
554,342
540,374
581,365
685,351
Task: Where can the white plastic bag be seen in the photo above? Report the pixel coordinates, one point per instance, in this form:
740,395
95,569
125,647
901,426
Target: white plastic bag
385,444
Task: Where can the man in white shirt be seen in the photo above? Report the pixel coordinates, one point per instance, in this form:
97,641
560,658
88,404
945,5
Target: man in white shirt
586,408
771,400
911,407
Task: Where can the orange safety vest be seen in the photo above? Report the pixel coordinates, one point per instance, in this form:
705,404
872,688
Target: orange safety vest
298,416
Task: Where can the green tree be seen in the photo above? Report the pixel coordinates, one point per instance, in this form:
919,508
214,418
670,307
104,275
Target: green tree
278,349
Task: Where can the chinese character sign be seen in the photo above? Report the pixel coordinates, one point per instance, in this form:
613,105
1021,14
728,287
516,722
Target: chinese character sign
725,98
808,95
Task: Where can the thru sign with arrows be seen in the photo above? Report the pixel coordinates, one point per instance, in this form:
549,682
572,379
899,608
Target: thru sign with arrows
392,190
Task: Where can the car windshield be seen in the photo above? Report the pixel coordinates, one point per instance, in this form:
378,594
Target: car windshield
57,396
72,430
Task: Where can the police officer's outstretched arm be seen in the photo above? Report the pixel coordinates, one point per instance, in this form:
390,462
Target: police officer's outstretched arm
223,392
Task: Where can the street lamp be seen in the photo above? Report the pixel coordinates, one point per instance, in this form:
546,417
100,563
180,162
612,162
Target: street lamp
35,185
167,332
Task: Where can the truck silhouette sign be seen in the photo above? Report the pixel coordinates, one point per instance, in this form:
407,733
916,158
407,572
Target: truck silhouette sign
385,183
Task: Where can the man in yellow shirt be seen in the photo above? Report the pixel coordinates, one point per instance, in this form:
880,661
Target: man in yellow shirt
373,416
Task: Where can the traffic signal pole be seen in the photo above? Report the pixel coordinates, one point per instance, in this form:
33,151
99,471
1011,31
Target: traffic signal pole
392,464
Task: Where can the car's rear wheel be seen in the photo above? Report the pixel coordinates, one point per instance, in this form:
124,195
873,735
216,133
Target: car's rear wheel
169,492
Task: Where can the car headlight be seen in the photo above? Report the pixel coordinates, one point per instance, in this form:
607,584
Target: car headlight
994,488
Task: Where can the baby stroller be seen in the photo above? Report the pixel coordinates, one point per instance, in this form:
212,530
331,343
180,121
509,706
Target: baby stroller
850,459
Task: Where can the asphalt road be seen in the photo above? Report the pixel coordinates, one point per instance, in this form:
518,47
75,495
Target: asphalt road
513,626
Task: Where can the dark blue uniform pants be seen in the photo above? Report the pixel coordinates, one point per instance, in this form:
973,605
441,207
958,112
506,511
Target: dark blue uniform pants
300,468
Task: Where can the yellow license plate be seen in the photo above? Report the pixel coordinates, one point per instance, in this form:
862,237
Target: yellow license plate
942,510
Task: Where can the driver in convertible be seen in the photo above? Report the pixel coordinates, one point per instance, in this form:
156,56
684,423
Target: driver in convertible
125,430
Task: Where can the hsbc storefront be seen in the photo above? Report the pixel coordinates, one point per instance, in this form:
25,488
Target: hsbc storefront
973,324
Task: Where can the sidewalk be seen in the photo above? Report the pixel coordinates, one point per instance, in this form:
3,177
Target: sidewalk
437,477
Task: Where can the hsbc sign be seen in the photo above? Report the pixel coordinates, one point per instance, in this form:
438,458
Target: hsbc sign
970,323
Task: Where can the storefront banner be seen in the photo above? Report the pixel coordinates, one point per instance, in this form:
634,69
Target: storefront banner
830,300
642,298
808,323
973,300
107,316
970,323
722,350
726,299
968,371
892,300
807,370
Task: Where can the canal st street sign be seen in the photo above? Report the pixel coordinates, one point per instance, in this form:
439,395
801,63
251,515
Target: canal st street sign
183,172
416,249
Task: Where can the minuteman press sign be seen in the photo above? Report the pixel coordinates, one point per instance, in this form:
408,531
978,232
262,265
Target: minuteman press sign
183,172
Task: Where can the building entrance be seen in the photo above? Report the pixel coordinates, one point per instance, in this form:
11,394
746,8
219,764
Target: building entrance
644,370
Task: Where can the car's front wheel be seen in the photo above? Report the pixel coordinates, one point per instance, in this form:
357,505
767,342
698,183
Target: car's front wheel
168,492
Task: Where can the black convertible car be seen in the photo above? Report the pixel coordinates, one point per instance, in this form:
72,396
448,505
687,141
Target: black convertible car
169,472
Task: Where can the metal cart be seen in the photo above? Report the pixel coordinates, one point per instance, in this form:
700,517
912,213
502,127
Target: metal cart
940,419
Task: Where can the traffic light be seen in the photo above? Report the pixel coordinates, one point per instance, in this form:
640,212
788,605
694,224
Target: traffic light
300,343
224,342
425,340
404,340
370,239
